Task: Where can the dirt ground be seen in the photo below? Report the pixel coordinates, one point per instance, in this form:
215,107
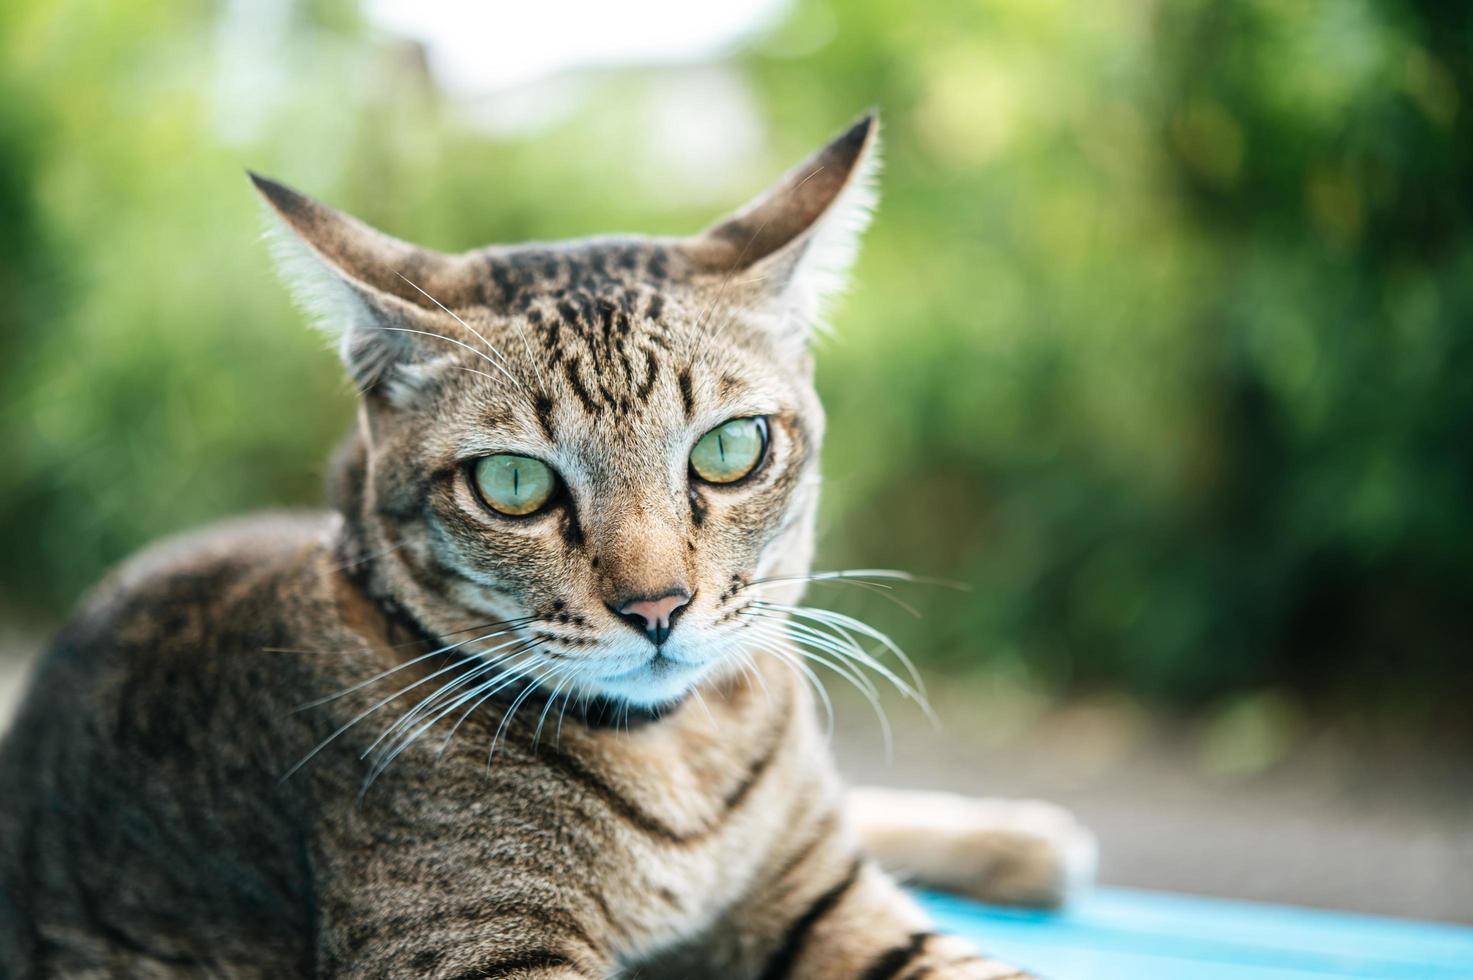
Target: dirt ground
1385,831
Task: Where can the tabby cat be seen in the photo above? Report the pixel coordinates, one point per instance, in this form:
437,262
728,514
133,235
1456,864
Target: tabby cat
529,702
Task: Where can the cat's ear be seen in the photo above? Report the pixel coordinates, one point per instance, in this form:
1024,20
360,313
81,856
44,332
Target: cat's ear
366,290
791,248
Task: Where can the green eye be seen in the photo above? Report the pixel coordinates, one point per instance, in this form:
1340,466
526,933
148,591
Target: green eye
730,451
514,485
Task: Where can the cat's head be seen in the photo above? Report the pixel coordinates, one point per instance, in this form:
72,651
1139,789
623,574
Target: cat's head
603,443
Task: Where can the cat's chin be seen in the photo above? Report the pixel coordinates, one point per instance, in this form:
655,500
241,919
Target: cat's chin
657,683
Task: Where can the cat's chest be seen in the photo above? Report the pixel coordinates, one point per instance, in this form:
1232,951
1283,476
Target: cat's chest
692,827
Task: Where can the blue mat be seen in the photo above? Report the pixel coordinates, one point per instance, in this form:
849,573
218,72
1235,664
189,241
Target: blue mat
1118,934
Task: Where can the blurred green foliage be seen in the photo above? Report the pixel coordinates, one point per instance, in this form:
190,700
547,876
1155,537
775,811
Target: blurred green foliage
1161,341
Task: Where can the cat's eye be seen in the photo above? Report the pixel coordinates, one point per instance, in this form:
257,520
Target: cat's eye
514,485
730,451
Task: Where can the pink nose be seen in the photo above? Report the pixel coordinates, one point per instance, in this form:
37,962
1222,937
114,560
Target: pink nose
656,613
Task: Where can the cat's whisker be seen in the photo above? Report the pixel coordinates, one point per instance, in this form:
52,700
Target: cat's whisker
481,374
841,647
489,346
433,700
379,704
808,640
696,693
810,649
510,711
841,643
512,624
844,624
451,340
557,736
369,557
840,640
391,646
387,757
886,592
835,660
748,667
452,692
387,673
796,665
524,336
478,695
893,574
563,680
886,733
490,688
838,660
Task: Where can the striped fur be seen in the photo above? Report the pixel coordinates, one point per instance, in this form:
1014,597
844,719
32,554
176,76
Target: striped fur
212,774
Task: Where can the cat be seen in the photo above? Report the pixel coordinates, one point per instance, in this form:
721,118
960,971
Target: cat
529,702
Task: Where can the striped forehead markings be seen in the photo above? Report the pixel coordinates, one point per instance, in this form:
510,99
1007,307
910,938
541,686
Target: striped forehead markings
596,312
517,279
592,340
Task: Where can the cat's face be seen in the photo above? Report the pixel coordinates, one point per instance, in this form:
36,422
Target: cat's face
606,444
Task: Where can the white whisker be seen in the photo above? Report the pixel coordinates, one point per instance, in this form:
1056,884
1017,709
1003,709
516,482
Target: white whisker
433,700
379,704
808,649
807,643
796,665
387,758
886,592
457,343
748,667
551,699
514,625
510,711
368,558
844,624
490,688
695,692
489,346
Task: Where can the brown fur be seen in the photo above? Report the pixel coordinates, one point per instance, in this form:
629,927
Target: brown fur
196,784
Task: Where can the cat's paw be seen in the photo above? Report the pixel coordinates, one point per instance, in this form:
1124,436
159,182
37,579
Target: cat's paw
1011,852
1022,852
949,958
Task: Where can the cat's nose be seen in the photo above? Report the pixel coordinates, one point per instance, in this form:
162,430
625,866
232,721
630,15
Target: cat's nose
655,618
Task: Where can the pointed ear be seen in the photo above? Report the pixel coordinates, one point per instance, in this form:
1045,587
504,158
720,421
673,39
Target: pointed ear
793,245
355,282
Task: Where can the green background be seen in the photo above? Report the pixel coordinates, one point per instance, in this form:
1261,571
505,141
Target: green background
1161,340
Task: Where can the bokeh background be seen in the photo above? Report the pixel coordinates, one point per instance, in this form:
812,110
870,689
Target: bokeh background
1162,343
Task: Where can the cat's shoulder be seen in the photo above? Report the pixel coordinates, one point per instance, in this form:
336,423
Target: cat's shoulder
253,574
187,618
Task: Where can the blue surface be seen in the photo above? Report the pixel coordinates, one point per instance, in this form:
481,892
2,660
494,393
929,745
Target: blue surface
1115,934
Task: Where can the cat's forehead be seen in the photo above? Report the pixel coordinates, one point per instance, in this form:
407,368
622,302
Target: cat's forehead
614,269
610,343
610,308
608,316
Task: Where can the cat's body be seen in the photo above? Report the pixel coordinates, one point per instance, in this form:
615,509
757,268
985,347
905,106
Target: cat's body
210,778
